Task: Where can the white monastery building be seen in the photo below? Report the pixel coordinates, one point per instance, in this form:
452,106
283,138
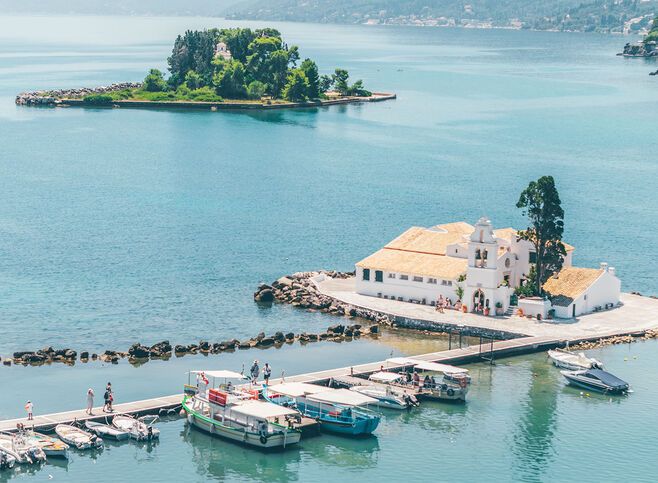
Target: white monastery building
424,265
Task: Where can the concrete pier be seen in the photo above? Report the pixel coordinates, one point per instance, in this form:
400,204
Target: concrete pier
171,404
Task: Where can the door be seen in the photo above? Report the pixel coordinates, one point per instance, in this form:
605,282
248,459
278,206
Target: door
573,313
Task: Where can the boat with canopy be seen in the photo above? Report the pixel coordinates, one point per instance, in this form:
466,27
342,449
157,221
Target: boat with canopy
338,411
573,361
237,414
435,381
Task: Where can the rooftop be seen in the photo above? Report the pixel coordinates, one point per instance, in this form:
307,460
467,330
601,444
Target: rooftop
431,265
569,283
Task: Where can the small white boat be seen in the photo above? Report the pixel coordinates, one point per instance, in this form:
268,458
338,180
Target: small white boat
7,459
572,361
386,397
52,447
137,428
23,451
107,431
77,437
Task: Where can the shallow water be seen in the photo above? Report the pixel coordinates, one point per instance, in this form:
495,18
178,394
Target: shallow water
126,225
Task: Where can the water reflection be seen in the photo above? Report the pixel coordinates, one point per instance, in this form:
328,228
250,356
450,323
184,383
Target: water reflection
533,438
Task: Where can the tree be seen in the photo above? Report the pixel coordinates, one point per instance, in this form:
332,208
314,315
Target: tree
326,83
256,90
541,204
358,90
193,51
340,81
230,81
310,70
297,86
237,42
193,80
154,81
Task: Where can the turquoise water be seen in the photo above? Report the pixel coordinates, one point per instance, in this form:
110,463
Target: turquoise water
124,225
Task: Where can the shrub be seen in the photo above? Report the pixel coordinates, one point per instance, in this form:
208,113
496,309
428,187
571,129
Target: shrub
98,100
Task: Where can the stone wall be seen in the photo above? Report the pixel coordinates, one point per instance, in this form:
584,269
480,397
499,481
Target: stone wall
53,97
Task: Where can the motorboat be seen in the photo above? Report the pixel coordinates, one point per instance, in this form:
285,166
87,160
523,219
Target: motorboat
238,415
386,397
573,361
7,459
78,438
107,431
596,380
439,382
340,411
52,447
20,449
139,429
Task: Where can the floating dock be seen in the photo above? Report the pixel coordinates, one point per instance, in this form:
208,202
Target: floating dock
487,350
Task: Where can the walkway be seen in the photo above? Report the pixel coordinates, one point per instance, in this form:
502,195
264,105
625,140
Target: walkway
637,314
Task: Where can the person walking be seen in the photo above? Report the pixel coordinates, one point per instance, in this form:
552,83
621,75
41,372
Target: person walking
90,401
29,407
107,397
267,372
255,370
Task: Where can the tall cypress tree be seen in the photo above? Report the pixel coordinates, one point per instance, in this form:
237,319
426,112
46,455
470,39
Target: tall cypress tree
541,203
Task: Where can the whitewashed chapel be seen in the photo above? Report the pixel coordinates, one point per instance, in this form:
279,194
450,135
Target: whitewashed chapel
423,265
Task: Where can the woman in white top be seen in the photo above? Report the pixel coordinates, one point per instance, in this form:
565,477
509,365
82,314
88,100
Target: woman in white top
90,400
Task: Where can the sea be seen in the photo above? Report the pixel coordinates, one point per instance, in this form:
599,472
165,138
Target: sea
120,225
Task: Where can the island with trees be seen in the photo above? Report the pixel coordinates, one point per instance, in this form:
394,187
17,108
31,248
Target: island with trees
647,47
223,68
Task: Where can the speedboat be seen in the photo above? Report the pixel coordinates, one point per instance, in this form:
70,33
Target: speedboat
237,415
596,380
107,431
7,459
52,447
386,397
139,429
338,411
439,382
573,361
22,450
78,438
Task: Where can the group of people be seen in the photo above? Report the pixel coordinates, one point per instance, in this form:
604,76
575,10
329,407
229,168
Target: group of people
414,379
255,372
108,398
446,303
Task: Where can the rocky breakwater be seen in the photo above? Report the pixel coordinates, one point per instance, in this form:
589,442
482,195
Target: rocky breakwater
640,49
54,97
46,355
619,339
300,291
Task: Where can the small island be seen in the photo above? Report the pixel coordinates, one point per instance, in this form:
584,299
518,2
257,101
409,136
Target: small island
647,47
235,68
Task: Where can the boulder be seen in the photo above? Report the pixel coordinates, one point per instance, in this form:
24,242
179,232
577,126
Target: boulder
374,329
70,354
204,346
7,362
138,351
336,329
180,349
279,337
266,295
290,336
265,342
84,355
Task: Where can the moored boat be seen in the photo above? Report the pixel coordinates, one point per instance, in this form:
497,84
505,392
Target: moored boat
7,459
572,361
596,380
386,397
107,431
440,382
239,416
137,428
22,450
78,438
338,411
52,447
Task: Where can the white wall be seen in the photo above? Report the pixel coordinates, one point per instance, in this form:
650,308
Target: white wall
605,290
407,289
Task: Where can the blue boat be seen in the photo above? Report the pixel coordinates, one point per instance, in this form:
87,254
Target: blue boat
338,411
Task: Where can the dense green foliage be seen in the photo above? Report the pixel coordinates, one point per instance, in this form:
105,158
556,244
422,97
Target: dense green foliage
98,100
541,203
582,15
653,33
242,63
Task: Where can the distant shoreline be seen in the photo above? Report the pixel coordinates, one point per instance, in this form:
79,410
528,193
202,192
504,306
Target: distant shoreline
220,106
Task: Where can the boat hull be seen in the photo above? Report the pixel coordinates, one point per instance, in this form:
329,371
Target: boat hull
253,439
363,424
576,382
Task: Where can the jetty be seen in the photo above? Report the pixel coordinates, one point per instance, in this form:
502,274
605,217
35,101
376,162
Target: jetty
486,350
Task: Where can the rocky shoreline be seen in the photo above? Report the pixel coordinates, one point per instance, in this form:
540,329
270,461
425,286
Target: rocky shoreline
619,339
54,97
639,49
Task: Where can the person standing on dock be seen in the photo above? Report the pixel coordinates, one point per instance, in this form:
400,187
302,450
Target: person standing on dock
29,407
90,401
255,370
108,397
267,372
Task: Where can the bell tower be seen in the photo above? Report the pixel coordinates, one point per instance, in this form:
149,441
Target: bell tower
482,246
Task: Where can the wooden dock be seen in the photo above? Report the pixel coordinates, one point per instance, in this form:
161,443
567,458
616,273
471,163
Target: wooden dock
487,350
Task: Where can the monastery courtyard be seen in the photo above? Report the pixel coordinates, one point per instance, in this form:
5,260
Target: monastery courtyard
636,313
